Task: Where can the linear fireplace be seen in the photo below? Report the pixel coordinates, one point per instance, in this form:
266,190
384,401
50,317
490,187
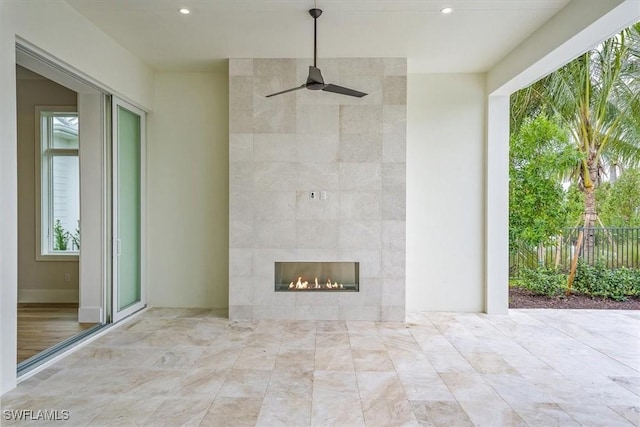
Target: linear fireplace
317,276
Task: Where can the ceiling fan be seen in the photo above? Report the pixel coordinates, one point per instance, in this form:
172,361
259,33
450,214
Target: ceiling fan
315,80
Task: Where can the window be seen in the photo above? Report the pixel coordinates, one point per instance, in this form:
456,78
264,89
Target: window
57,167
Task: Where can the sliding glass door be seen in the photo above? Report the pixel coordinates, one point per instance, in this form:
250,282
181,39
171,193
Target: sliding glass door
128,209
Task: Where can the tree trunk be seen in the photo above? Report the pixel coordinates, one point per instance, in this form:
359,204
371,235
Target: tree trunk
590,213
590,218
574,262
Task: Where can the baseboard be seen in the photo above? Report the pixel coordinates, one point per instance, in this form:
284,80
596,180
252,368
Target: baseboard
90,315
48,296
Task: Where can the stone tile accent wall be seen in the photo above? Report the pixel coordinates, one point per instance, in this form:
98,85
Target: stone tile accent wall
284,147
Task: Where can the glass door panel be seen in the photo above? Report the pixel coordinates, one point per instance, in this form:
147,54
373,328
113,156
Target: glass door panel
128,144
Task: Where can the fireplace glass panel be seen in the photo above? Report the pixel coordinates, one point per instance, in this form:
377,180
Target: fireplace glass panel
317,276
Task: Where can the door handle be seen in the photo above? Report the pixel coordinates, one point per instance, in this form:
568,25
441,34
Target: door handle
118,247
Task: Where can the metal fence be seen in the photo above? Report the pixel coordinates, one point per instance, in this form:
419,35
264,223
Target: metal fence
614,247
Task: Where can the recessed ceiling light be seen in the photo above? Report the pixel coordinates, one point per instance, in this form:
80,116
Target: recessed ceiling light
184,11
446,10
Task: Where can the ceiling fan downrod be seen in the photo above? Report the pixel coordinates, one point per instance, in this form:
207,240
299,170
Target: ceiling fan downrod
315,14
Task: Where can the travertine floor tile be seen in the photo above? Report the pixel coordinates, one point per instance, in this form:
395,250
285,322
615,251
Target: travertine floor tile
438,413
290,359
424,386
544,414
629,413
595,415
245,383
232,411
334,385
126,410
492,413
219,356
179,412
371,360
285,412
291,385
387,413
333,359
179,357
257,358
193,367
469,387
380,385
201,383
336,411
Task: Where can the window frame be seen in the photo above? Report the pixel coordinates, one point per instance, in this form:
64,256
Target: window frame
44,185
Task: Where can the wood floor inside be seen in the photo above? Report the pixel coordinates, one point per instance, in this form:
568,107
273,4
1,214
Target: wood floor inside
41,326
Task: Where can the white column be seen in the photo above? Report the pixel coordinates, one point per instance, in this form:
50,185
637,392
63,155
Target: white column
497,207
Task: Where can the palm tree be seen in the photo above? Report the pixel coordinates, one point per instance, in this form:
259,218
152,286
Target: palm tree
596,98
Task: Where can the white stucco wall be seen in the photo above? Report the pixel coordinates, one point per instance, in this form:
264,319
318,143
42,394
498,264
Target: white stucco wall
188,191
445,192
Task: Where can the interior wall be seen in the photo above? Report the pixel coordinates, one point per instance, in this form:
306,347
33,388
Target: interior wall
445,192
38,281
188,191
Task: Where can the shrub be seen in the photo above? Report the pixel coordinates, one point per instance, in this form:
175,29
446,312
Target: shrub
61,237
599,281
544,281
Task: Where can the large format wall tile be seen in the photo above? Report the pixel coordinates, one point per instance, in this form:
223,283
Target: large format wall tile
350,152
317,147
360,176
361,119
274,147
361,147
241,104
317,119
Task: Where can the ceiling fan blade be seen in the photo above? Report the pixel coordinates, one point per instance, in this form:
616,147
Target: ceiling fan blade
288,90
315,76
343,90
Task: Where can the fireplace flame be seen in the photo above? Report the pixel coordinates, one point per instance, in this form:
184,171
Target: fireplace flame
304,284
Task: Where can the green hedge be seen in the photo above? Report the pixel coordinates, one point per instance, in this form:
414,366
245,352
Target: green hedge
544,281
596,281
599,281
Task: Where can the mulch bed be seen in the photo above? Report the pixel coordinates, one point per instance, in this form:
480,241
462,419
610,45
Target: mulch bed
524,298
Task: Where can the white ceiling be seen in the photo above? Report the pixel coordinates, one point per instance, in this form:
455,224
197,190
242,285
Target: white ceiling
471,39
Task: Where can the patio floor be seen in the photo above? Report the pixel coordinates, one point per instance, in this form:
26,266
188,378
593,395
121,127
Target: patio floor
195,367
